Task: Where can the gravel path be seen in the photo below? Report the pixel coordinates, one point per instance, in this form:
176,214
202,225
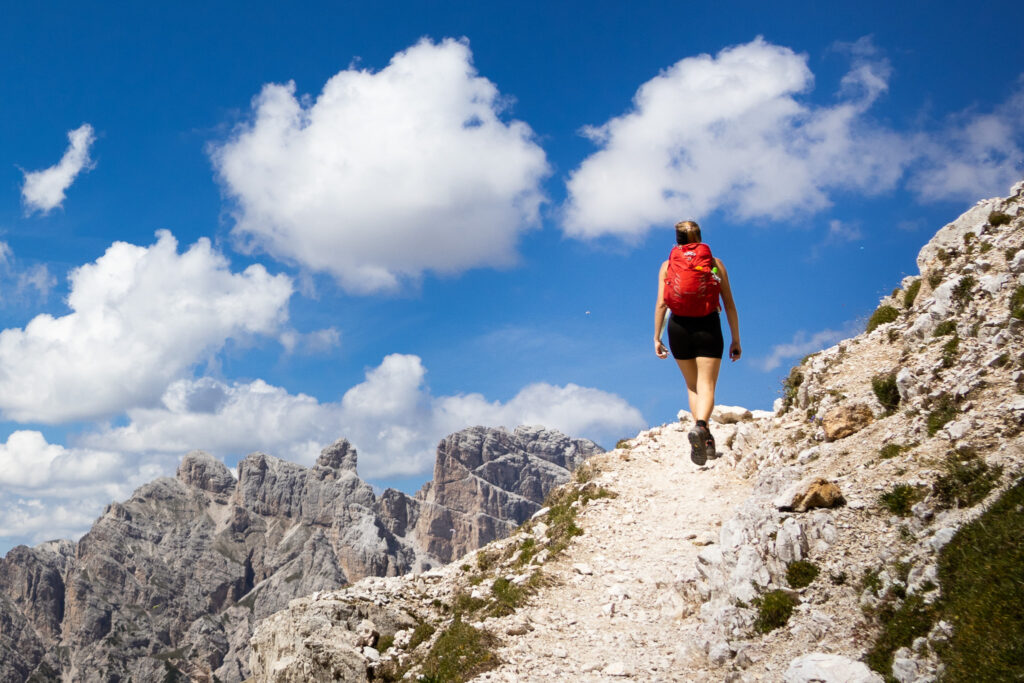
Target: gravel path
612,614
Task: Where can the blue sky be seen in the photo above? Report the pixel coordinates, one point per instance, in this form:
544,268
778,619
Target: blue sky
244,227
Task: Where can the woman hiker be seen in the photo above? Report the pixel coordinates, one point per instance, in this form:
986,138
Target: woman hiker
689,284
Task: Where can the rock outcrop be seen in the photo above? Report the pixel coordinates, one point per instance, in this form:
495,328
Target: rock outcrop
670,579
177,576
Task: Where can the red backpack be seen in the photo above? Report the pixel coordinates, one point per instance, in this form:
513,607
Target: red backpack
691,287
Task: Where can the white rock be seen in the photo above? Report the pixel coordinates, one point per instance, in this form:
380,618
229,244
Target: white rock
617,669
581,568
959,429
818,667
907,384
941,538
540,513
1017,263
371,654
731,414
904,668
720,653
994,283
560,652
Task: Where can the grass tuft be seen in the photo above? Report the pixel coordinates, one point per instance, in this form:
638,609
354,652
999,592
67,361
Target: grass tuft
966,479
790,385
773,610
944,328
942,412
997,218
801,573
910,295
891,450
1017,303
934,278
461,653
950,350
962,291
886,392
900,498
882,315
900,626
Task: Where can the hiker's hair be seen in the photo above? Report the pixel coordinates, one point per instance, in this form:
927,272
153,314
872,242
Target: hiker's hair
687,232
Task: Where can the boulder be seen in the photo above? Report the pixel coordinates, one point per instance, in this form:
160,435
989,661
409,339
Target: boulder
844,420
818,667
819,493
731,414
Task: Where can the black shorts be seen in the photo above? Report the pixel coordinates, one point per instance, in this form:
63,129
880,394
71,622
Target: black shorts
692,337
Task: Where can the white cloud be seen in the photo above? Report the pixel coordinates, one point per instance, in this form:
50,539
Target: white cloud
974,154
391,417
140,317
728,132
318,341
23,280
388,174
48,491
44,190
801,346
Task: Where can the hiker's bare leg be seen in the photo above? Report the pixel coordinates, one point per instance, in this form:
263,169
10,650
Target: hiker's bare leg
701,375
690,374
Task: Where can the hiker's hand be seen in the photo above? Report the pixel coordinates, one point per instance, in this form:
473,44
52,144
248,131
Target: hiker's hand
659,349
735,351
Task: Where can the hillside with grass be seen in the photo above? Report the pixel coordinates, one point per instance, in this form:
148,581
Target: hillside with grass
868,529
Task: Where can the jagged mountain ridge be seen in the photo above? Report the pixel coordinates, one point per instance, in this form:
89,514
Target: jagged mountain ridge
181,572
665,582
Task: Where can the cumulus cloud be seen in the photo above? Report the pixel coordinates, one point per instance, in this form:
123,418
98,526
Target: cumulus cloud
391,417
974,154
140,317
729,132
44,190
48,491
801,345
386,174
23,280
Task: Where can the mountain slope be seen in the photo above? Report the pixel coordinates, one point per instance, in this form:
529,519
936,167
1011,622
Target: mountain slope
904,432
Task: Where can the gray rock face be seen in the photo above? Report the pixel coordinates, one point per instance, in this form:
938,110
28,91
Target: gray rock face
179,574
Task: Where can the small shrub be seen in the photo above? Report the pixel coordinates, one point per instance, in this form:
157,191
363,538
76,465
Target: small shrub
980,576
944,328
882,315
527,550
1017,303
997,218
946,255
962,291
507,597
485,560
384,642
900,626
966,480
910,295
773,610
942,412
623,444
464,603
886,392
949,351
934,278
900,499
985,248
871,580
586,472
891,450
801,573
790,385
420,634
461,653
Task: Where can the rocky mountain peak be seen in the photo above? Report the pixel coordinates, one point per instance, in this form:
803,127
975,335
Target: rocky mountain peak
340,456
199,469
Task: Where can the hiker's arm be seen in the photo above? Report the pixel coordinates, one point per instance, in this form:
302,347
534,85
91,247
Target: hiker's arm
660,311
735,350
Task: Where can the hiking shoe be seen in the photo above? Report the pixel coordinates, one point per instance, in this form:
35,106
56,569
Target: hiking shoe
709,445
698,445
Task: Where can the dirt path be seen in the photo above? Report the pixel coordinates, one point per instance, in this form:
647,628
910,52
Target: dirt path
615,610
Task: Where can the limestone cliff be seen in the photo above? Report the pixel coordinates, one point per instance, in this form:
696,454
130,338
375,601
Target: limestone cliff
177,576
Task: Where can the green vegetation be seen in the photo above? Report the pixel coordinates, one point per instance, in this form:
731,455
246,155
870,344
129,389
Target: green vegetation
588,471
527,551
966,479
943,410
882,315
983,594
934,278
485,560
997,218
871,580
946,255
886,392
790,385
460,653
801,573
1010,252
891,450
944,328
900,625
623,444
962,291
773,610
384,642
507,597
900,498
985,248
1017,303
561,518
420,634
910,295
949,351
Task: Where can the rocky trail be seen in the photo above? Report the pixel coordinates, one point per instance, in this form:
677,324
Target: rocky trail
613,608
